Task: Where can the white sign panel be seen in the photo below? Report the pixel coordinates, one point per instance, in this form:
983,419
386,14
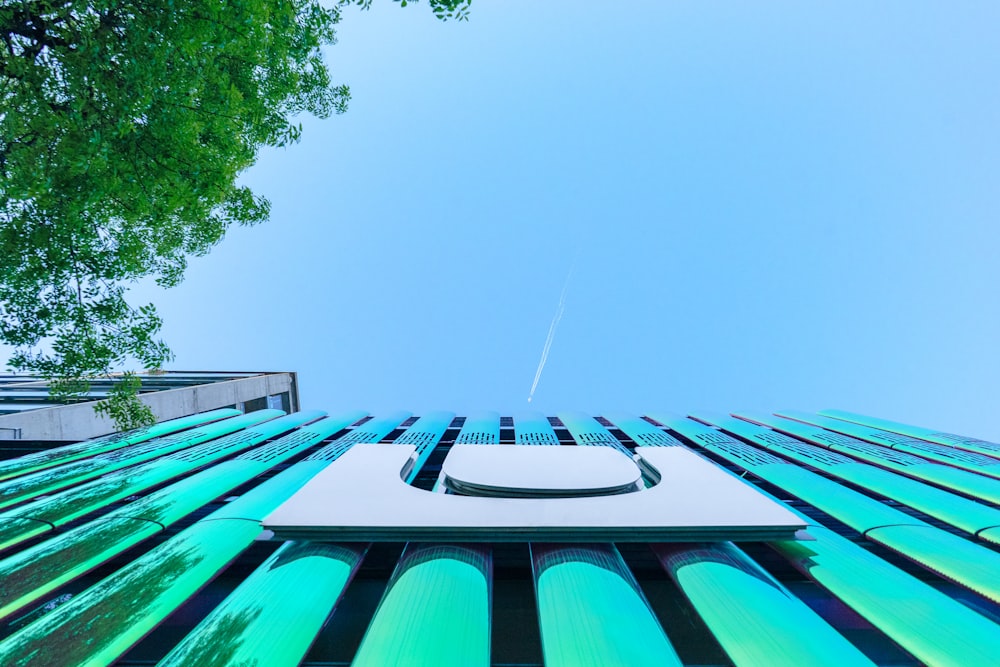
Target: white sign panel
553,494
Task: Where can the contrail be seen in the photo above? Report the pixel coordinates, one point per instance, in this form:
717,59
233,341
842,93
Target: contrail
552,332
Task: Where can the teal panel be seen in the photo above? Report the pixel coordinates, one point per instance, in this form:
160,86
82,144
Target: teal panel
67,556
80,500
958,511
480,428
59,477
89,497
877,436
931,435
641,431
936,629
756,620
851,507
962,513
960,458
185,496
133,600
372,431
14,531
755,422
424,434
971,565
963,481
263,624
714,439
588,431
60,455
940,551
867,516
990,535
591,612
533,428
668,419
98,626
181,498
30,574
948,454
898,604
307,436
263,499
435,611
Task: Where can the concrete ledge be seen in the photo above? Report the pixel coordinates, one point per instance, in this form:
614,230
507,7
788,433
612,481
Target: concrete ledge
79,421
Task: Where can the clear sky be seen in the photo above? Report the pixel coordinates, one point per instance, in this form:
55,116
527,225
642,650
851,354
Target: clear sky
765,205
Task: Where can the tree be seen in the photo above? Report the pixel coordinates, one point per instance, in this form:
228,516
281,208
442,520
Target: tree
123,127
443,9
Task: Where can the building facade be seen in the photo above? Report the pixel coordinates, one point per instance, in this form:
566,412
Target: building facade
181,544
27,412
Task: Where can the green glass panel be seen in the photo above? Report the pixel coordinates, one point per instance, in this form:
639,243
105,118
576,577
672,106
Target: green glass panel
263,499
641,431
99,625
877,436
176,501
74,503
435,611
930,625
480,428
424,434
756,620
262,624
591,612
868,516
973,461
963,513
963,481
851,507
59,455
960,441
714,439
181,498
14,531
30,574
81,500
588,431
755,422
533,428
373,430
971,565
81,549
59,477
990,535
898,604
675,422
947,454
309,434
129,603
958,511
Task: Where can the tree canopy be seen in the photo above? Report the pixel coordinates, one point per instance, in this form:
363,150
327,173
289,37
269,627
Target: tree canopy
124,125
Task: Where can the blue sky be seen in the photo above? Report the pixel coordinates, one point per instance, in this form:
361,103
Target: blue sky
770,205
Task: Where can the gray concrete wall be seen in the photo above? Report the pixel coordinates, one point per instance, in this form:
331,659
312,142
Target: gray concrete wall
80,422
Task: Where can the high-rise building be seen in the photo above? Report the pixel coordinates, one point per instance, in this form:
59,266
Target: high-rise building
222,538
28,412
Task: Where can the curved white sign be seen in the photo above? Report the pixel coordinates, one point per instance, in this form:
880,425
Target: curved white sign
361,497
